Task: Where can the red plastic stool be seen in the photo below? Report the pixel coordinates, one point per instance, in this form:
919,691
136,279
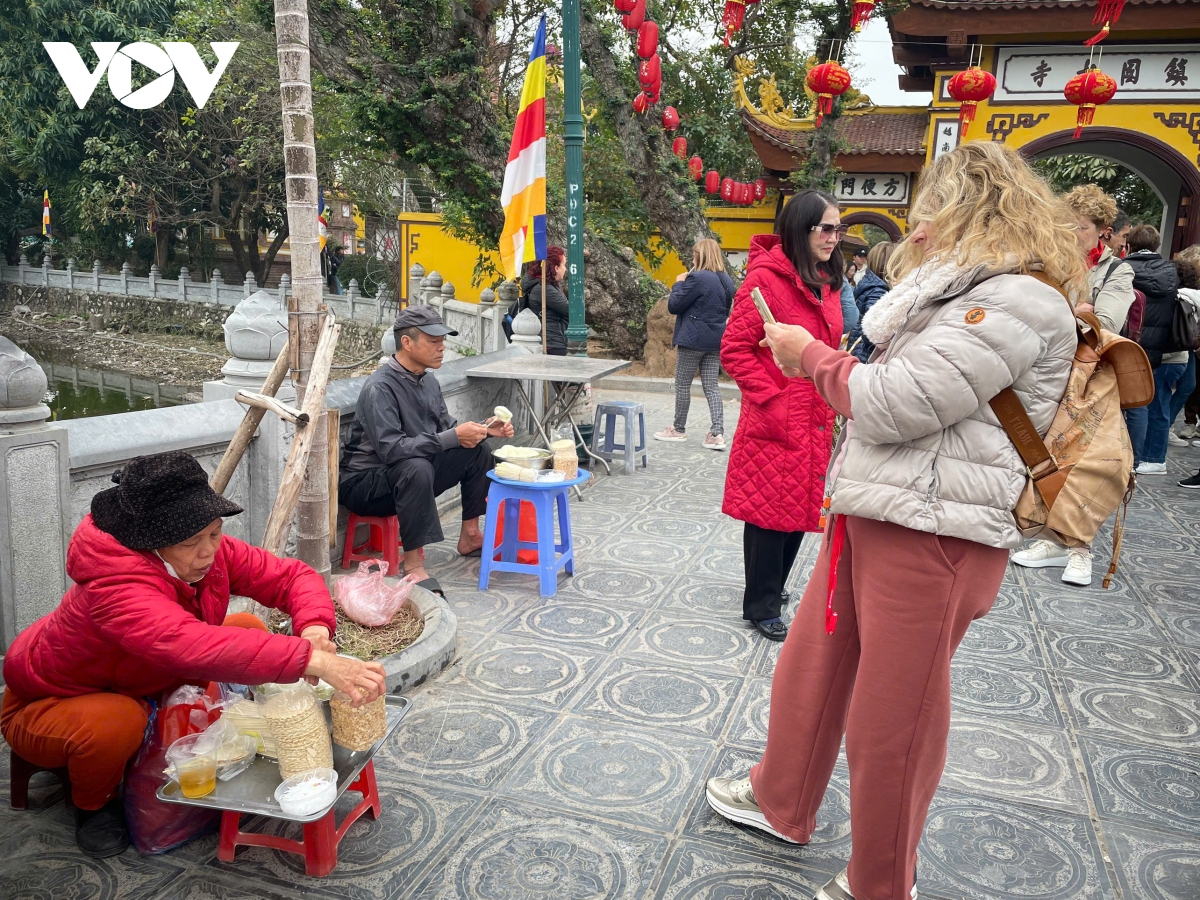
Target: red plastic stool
321,838
20,770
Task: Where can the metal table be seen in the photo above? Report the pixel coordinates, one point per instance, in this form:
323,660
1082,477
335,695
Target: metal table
571,372
253,793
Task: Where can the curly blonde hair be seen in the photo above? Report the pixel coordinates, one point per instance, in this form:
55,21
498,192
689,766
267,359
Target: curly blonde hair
1190,254
1089,201
986,206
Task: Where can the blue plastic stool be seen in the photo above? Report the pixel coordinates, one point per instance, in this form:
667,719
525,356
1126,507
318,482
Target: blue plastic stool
551,556
603,443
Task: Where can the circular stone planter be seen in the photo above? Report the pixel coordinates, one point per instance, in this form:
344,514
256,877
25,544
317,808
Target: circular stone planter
429,653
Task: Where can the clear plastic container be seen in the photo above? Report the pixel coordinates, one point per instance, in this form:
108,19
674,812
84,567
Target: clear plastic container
301,735
193,762
357,729
307,793
565,458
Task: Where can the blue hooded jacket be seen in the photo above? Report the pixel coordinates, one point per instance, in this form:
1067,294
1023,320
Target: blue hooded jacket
870,288
700,304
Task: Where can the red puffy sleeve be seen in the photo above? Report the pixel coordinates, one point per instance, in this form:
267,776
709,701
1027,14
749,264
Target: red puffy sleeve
750,365
284,584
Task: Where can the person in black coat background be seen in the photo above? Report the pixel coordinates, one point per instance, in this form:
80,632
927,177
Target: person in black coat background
558,309
1159,281
870,288
700,302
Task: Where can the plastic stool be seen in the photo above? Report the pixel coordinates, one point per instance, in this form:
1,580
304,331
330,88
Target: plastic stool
321,838
603,444
383,536
20,770
551,556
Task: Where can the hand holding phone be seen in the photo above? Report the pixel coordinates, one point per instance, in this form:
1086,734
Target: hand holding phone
761,304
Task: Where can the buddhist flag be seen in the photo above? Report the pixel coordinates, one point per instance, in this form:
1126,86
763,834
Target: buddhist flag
46,213
524,195
322,219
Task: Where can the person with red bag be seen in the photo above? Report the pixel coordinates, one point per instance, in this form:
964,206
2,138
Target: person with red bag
152,576
776,475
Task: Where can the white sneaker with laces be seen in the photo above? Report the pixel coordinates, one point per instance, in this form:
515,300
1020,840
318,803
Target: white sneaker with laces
734,799
670,434
714,441
1189,431
1176,441
838,888
1149,468
1079,567
1041,554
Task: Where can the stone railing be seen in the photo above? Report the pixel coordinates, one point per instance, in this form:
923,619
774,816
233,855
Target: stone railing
49,471
479,325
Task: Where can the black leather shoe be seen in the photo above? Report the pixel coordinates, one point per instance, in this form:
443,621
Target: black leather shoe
101,833
773,631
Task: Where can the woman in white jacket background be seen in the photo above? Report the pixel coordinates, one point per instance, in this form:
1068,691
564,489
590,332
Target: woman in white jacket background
922,487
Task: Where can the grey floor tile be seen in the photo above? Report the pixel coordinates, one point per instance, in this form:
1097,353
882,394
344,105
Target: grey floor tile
704,643
515,668
661,696
748,724
984,688
628,775
672,554
1107,657
1154,866
1139,713
704,596
1001,641
617,585
1011,603
1144,786
700,871
518,852
1182,622
674,528
590,625
1125,616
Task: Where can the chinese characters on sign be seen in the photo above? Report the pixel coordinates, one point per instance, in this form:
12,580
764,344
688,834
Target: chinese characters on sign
1150,72
945,136
865,189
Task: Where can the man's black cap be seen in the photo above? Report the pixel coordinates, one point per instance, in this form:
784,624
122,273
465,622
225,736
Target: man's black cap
423,317
860,251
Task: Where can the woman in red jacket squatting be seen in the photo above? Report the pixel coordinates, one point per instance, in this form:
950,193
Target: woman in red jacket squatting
776,476
152,579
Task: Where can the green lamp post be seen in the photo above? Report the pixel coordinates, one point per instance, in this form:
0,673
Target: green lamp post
573,140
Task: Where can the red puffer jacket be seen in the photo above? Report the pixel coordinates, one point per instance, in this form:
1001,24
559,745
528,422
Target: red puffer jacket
128,627
777,463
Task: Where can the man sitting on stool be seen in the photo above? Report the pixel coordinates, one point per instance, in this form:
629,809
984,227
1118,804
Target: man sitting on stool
405,449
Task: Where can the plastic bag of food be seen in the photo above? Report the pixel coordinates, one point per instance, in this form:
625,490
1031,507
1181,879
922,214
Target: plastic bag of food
369,600
188,710
235,751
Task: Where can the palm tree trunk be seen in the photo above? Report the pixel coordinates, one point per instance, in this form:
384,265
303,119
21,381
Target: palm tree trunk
300,161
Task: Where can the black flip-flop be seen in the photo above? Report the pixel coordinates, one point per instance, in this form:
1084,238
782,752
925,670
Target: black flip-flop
473,553
431,584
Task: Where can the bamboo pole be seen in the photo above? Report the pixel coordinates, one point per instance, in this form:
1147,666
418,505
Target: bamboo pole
296,471
270,404
241,438
334,423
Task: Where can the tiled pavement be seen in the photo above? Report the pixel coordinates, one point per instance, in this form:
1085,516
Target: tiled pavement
564,753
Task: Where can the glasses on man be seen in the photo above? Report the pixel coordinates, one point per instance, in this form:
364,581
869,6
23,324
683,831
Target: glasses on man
830,230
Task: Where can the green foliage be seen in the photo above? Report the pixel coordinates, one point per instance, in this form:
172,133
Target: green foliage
1132,193
371,274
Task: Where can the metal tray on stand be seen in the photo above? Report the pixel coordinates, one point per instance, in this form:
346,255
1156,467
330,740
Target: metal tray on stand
253,791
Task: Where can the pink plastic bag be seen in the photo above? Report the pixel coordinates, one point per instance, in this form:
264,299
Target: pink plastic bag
369,600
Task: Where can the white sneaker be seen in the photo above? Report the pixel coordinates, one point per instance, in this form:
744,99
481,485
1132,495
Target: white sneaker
1189,432
670,434
1041,555
1176,441
838,888
714,441
734,799
1149,468
1079,567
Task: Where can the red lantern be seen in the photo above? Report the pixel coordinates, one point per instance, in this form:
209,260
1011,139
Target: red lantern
862,12
624,6
652,96
969,87
727,189
735,13
1087,90
679,147
760,188
828,80
747,194
712,181
650,73
696,167
634,19
1107,13
670,118
641,103
647,42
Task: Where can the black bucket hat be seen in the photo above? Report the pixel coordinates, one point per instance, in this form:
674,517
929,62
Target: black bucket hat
159,500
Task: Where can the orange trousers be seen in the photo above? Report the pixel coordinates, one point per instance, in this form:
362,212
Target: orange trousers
93,736
904,600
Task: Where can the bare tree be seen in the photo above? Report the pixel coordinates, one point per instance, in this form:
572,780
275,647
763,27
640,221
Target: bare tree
300,162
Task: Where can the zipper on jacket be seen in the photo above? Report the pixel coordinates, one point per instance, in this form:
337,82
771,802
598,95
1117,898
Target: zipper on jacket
933,486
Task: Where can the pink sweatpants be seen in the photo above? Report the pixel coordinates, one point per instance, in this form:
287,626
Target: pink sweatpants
904,600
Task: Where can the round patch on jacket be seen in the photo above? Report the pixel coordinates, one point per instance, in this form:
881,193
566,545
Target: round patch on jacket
975,316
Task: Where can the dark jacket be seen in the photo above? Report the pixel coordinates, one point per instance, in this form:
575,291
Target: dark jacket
556,303
869,289
700,304
1158,280
399,415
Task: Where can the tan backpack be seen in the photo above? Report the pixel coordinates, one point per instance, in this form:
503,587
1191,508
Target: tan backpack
1082,471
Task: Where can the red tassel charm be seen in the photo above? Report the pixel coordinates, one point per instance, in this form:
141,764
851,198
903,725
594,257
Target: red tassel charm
862,11
735,13
1107,14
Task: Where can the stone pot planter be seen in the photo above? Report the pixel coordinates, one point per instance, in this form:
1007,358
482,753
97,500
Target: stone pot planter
429,653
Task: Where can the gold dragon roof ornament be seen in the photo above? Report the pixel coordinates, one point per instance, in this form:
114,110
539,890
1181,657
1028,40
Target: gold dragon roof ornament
771,107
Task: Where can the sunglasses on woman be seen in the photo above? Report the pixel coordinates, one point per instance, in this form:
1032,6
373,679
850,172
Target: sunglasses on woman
827,230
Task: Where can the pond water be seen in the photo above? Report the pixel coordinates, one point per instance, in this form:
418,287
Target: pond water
75,393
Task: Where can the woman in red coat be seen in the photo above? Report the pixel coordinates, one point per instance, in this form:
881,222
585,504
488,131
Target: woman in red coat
152,579
776,478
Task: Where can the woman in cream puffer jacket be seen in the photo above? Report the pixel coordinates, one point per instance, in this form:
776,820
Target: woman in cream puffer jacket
922,485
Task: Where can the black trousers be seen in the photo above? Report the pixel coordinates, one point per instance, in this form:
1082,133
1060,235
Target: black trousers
409,489
769,557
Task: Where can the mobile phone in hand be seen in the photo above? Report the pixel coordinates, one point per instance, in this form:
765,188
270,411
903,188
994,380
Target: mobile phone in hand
761,304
